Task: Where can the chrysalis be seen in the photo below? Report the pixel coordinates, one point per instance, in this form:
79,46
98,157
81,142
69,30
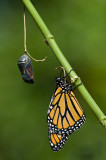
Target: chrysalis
25,66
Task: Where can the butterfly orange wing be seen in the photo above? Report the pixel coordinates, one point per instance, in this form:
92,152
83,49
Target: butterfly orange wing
65,115
57,141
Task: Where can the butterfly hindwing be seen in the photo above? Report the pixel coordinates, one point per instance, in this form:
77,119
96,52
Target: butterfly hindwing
57,141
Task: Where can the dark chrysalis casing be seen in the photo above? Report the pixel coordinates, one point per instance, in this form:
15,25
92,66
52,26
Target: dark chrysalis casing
25,66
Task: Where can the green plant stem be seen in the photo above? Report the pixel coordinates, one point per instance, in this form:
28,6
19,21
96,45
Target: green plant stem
53,45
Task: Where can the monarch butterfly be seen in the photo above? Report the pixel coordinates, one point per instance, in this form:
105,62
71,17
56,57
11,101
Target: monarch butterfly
25,66
64,116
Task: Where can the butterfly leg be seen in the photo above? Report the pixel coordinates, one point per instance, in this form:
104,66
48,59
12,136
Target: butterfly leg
69,72
74,87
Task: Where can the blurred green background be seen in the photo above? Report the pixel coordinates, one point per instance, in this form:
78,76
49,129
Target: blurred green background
79,27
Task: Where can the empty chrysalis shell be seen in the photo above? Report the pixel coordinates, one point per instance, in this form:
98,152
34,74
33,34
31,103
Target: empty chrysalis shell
25,66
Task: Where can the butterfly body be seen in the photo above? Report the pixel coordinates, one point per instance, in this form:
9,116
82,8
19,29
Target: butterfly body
64,114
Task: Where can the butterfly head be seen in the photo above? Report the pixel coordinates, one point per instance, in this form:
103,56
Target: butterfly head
59,81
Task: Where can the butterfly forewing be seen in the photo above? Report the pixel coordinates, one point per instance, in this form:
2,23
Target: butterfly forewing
64,114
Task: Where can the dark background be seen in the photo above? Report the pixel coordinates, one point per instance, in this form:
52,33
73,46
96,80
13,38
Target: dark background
79,27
